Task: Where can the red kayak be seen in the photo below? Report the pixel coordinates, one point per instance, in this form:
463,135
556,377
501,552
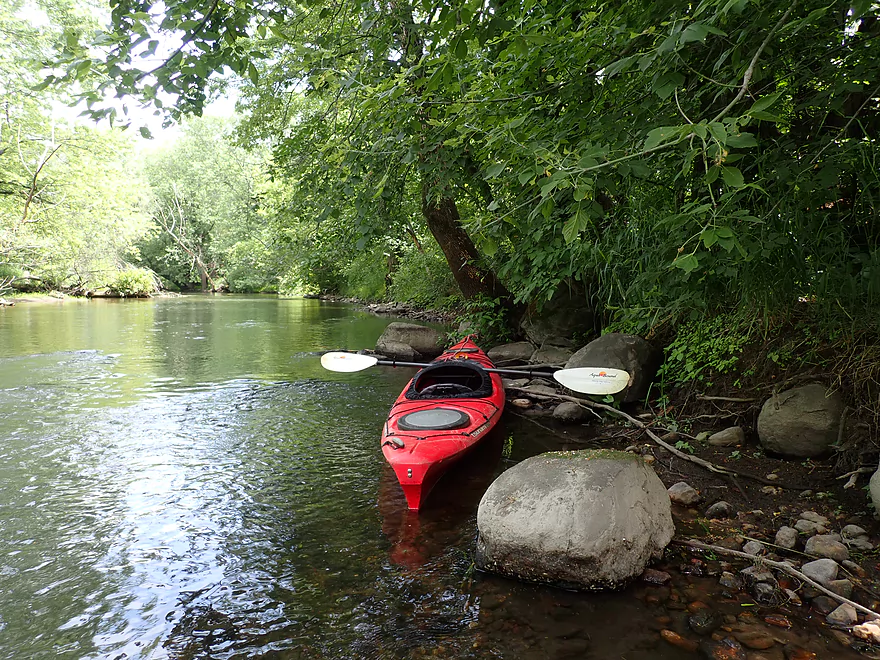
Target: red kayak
440,415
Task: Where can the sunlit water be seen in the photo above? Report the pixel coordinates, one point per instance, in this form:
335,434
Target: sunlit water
179,478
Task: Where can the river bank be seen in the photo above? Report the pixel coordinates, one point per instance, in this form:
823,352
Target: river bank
773,508
767,524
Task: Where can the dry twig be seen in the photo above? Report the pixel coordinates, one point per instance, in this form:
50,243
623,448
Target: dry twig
780,566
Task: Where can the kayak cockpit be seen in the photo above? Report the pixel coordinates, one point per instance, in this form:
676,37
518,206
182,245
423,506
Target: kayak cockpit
450,379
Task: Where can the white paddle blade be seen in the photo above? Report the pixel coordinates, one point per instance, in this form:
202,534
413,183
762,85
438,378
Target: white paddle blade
347,362
593,380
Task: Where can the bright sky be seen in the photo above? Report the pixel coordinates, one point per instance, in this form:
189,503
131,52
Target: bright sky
138,116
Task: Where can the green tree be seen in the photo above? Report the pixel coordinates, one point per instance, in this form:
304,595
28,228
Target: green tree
69,195
203,200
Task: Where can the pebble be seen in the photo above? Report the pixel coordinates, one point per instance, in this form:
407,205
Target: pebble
786,537
704,622
853,532
841,587
817,518
826,545
868,630
720,509
845,615
824,604
683,493
731,542
723,649
777,620
755,639
771,490
653,576
521,403
809,528
822,571
854,568
729,580
677,640
756,575
766,594
754,548
568,411
793,598
798,653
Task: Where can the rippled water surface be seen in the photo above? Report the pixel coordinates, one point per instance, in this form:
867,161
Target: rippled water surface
179,478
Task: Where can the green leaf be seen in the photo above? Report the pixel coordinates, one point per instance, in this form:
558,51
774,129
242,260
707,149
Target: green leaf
688,263
253,74
740,140
145,133
764,116
712,174
526,175
666,84
718,131
764,102
581,192
709,237
661,135
494,170
732,177
693,32
575,225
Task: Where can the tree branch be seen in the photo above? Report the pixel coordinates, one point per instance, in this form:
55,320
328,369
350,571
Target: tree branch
750,71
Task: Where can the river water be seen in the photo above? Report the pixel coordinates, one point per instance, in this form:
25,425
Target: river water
179,478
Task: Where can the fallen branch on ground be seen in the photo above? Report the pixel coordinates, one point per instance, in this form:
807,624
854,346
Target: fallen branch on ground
717,469
781,566
731,399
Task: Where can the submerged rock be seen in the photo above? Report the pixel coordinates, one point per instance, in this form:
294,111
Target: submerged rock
589,519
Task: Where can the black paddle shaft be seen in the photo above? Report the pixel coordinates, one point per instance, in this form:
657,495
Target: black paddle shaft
513,372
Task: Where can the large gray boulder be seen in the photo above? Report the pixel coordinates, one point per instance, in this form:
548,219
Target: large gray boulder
590,519
520,351
425,341
801,422
619,351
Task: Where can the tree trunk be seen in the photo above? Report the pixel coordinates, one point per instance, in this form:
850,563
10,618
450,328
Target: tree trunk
460,251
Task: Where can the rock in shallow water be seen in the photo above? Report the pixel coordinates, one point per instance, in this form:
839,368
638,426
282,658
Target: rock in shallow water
587,519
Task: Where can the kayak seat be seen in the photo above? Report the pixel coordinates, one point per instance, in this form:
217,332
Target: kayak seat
433,419
450,379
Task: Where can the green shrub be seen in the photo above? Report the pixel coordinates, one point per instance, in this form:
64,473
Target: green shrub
487,318
364,276
705,347
134,282
423,279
